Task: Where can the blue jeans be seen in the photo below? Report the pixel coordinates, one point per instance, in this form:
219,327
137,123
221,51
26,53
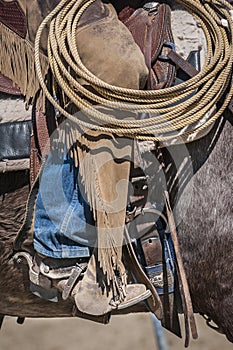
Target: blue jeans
64,225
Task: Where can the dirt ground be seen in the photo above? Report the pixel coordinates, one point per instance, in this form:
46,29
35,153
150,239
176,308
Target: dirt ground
123,333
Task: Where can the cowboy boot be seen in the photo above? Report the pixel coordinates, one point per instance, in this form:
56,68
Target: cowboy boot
95,298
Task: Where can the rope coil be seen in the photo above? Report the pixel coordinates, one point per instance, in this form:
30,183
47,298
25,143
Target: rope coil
171,109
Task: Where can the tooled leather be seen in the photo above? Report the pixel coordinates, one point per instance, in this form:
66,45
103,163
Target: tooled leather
150,30
39,143
7,86
164,69
12,16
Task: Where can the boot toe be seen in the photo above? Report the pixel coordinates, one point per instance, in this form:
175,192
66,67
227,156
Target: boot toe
135,293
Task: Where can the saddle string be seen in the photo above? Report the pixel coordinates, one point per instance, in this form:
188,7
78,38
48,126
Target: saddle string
167,108
183,284
189,319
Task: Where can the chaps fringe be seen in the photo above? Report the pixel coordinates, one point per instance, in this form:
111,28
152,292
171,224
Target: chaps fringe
17,62
110,231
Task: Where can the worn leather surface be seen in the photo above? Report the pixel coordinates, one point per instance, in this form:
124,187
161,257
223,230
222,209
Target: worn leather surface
152,248
39,142
193,59
7,86
150,30
13,16
104,42
15,140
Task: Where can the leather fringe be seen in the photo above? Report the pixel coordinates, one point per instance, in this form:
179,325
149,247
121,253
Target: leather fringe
110,238
17,62
89,151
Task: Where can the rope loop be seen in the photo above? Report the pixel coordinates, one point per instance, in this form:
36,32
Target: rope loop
172,111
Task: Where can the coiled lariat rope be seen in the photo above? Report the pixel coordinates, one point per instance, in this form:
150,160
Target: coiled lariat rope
170,109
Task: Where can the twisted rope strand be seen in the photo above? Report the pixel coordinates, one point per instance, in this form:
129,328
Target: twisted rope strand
170,109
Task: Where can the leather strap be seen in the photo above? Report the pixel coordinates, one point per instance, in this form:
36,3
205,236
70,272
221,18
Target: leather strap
136,269
183,284
44,124
39,143
71,282
183,64
7,86
155,262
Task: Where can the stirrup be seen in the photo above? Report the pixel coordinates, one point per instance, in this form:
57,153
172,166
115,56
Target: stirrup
40,285
45,272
